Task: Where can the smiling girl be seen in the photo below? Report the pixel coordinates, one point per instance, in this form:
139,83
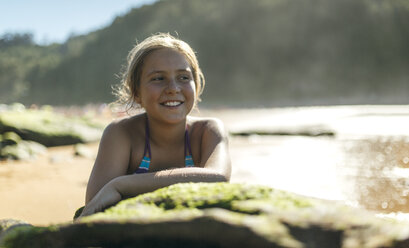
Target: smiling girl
164,145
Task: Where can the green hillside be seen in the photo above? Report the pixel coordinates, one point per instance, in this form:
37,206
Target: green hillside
263,52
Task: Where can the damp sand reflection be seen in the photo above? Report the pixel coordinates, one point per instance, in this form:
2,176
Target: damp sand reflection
377,170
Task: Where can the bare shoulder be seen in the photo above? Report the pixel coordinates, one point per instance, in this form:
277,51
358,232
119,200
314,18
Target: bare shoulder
208,125
125,126
113,154
214,152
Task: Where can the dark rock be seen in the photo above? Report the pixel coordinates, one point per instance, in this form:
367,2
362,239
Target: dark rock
299,130
22,150
219,215
6,225
9,138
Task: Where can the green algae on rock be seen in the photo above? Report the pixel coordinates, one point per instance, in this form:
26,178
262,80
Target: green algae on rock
9,138
219,215
21,149
7,225
49,128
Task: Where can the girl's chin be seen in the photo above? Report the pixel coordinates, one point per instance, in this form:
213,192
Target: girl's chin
171,119
175,119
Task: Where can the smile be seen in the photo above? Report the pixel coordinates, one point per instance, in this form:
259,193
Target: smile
172,103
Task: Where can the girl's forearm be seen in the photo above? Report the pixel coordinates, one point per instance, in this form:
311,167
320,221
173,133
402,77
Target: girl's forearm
132,185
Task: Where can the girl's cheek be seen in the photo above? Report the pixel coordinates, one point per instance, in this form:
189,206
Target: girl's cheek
193,87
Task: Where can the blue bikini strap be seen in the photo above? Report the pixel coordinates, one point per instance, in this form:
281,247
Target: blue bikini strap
188,157
147,138
146,161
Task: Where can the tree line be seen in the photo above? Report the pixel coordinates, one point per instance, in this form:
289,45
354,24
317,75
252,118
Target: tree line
253,53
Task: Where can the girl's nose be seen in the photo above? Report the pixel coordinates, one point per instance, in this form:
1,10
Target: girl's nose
172,86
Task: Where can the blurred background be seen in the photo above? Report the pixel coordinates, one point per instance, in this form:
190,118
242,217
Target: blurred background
253,53
314,93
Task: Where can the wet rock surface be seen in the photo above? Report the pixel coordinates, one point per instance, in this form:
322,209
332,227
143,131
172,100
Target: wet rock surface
219,215
7,225
25,133
13,147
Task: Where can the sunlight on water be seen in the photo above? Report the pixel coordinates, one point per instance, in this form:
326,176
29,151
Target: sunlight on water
299,164
373,174
364,164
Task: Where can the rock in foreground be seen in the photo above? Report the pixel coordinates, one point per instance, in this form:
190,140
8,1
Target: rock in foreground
219,215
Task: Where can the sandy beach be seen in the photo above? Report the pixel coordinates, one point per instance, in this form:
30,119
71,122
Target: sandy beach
46,190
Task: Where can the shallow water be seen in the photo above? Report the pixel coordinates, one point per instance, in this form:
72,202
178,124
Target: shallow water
377,171
365,163
372,173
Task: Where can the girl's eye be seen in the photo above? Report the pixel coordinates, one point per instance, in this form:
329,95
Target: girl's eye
184,77
157,79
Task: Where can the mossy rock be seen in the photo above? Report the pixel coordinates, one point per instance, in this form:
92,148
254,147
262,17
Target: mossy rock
9,138
49,128
24,149
299,130
219,215
13,147
6,225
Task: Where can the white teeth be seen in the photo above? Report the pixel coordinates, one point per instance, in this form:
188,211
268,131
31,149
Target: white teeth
172,104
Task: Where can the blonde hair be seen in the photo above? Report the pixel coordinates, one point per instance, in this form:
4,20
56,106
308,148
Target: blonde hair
130,79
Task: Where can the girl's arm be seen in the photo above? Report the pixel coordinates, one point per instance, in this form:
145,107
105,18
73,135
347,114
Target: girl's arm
214,149
112,159
215,162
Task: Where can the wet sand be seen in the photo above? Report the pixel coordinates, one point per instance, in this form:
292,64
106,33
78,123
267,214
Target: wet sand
46,190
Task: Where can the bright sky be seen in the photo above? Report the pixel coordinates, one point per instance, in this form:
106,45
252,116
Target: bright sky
54,20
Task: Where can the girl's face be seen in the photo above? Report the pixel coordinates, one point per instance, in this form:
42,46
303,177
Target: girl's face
167,90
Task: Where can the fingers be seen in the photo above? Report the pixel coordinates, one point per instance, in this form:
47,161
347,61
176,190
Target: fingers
107,196
87,212
90,208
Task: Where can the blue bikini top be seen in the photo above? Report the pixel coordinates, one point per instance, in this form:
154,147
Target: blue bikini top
146,160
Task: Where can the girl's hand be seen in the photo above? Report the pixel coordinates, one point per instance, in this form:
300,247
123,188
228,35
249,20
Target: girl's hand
106,197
